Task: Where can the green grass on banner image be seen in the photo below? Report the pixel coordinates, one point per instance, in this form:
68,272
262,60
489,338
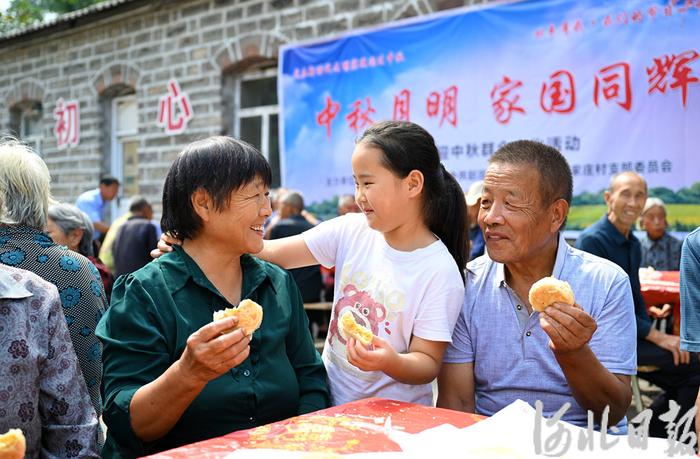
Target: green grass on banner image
681,217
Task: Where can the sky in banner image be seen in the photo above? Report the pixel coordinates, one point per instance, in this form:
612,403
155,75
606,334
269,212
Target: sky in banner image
612,84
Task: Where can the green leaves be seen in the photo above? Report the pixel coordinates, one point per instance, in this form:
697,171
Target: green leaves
23,13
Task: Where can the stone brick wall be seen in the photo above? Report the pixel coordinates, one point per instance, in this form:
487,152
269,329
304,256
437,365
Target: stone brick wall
139,50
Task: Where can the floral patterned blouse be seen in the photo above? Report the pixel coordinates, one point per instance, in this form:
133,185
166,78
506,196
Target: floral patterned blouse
80,289
41,389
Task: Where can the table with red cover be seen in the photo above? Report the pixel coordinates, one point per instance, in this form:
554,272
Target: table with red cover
661,287
350,428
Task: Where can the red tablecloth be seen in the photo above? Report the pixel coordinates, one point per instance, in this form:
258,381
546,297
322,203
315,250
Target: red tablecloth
351,428
661,287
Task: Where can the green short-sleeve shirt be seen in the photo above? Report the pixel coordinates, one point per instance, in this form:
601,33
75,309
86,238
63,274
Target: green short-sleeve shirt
155,309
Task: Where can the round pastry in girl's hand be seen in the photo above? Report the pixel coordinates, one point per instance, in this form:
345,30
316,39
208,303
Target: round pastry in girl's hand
350,327
550,290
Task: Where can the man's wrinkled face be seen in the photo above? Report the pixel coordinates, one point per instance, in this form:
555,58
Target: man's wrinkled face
512,216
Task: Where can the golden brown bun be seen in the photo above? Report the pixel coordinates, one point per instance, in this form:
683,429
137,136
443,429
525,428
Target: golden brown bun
12,444
351,328
249,313
550,290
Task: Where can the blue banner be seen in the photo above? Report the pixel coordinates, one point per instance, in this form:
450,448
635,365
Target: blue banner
614,85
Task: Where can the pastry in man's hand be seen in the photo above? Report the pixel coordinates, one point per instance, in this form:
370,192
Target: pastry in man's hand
350,327
550,290
12,444
249,314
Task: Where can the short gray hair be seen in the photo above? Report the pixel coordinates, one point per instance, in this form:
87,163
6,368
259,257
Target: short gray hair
24,185
68,217
653,202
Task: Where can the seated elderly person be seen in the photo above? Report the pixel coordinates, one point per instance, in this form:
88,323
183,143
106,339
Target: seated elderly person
660,250
44,393
67,225
24,188
503,350
172,376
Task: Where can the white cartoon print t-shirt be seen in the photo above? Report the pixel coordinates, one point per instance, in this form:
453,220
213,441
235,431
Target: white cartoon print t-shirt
395,294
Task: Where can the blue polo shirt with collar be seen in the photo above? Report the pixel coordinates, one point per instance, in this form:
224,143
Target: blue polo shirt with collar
510,351
604,240
92,204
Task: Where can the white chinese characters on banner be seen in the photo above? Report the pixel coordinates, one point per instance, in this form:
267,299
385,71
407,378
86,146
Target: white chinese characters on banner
67,128
174,111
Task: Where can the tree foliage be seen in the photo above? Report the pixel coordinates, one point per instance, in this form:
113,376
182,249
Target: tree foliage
22,13
685,195
587,198
325,210
65,6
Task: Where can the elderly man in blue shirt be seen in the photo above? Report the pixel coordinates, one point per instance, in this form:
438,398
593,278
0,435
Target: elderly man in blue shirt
503,350
92,202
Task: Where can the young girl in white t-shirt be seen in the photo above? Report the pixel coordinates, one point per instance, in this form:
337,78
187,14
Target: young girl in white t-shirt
399,267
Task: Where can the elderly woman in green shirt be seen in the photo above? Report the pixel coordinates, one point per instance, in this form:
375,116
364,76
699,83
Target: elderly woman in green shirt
171,375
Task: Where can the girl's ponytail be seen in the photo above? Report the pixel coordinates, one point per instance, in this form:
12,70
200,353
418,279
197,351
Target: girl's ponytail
446,216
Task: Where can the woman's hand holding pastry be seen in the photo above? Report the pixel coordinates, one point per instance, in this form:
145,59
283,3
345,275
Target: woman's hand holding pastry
209,353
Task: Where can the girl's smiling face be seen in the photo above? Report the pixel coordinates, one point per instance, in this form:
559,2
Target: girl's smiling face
378,191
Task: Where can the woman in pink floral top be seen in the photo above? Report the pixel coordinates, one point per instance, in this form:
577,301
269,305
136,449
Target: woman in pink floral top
42,390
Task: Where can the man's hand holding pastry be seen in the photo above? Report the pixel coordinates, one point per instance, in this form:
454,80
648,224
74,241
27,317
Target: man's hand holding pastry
569,327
